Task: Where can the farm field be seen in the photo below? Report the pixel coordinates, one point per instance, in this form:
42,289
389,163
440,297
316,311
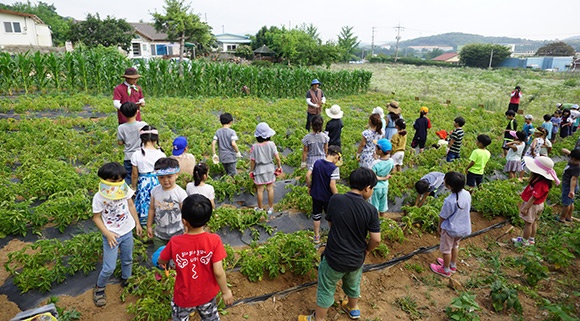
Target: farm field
53,143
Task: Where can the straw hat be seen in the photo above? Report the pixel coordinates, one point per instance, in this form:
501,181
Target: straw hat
542,165
334,112
131,73
393,107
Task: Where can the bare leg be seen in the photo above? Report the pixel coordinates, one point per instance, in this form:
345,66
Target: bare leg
352,302
570,211
534,229
447,259
564,212
320,313
270,188
316,228
527,230
260,194
454,254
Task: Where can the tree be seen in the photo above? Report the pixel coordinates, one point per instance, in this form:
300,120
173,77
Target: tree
478,55
181,24
109,32
264,37
245,52
347,44
47,13
560,48
433,53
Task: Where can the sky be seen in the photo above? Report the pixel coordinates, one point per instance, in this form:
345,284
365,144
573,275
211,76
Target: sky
529,19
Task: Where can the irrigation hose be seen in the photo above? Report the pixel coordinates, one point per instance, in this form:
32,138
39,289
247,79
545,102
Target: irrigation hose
366,268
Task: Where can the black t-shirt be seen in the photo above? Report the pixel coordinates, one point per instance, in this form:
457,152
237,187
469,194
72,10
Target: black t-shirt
512,125
570,171
334,128
352,219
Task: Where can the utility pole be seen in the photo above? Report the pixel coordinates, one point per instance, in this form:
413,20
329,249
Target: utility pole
490,58
399,29
373,43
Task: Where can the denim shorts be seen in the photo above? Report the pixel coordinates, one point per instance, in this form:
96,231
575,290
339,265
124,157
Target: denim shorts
566,201
327,280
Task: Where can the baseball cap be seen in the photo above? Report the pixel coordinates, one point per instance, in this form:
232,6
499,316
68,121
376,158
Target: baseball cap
179,145
385,145
424,110
528,116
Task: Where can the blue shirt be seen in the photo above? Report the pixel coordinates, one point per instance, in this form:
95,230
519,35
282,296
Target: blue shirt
456,215
528,130
547,125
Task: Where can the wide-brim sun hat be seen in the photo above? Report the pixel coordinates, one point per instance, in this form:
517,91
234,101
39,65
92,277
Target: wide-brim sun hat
379,110
393,107
334,112
263,130
315,82
131,73
542,165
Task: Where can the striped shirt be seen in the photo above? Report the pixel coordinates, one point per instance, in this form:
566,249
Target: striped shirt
457,137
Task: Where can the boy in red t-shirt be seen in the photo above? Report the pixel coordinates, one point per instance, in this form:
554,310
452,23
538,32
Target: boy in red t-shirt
198,259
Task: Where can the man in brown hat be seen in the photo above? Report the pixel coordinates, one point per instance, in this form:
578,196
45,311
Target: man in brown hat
128,91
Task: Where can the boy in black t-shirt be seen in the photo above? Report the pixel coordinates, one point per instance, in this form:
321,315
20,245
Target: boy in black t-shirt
351,218
511,126
569,184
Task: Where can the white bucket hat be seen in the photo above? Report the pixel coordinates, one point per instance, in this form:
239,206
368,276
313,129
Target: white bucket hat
263,130
379,110
542,165
334,112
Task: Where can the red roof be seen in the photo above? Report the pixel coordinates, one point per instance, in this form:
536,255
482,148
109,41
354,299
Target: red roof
446,56
22,14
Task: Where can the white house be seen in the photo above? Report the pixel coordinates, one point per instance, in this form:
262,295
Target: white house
228,42
23,29
150,43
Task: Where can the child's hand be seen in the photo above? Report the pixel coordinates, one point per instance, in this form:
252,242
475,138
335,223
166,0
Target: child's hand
138,229
112,239
149,232
571,194
238,154
303,165
228,297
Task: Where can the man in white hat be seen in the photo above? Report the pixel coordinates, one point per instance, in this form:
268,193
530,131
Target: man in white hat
315,99
128,91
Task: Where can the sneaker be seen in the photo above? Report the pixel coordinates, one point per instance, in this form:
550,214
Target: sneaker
124,283
270,211
520,240
311,317
99,296
440,262
257,209
316,239
352,313
531,241
438,269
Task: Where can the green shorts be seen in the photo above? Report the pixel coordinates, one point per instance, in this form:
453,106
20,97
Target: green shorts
327,279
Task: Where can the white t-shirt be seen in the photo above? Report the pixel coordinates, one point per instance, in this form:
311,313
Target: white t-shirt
205,190
168,211
146,162
115,213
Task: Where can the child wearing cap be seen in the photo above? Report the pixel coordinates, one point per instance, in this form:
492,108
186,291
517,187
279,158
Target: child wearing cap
186,160
334,125
165,207
382,167
262,169
128,135
421,125
512,125
478,159
528,128
534,196
570,185
513,165
226,138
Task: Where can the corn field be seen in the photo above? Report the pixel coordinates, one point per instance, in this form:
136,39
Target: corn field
98,71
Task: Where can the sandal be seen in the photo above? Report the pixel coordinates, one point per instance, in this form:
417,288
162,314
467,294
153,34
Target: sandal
99,296
307,317
352,313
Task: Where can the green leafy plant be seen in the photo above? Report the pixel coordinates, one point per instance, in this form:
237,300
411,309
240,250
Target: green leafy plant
533,270
463,308
408,304
504,297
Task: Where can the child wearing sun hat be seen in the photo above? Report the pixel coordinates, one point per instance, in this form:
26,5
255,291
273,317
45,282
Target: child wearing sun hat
334,125
534,196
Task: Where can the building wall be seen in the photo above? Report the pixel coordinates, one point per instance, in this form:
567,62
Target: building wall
143,48
18,30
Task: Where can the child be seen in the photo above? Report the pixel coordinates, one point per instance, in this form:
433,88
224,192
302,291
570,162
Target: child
534,149
479,159
534,196
186,160
570,185
379,110
334,125
200,175
513,165
556,121
321,182
421,125
198,258
262,169
454,224
165,207
228,150
546,148
399,142
382,168
511,126
142,177
528,127
455,139
315,143
547,125
566,123
352,218
366,149
391,119
128,135
428,185
115,216
515,97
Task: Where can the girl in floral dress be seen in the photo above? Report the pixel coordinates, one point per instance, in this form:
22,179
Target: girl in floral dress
366,148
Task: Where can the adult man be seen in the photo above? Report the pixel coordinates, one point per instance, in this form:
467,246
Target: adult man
128,91
315,99
351,218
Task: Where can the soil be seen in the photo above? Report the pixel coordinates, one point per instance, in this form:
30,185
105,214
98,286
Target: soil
381,289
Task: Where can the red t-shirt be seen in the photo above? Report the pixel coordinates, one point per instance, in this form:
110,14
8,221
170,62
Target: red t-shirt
194,256
121,93
539,191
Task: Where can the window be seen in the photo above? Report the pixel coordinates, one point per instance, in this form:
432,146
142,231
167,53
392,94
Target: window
161,50
12,27
136,49
153,52
231,47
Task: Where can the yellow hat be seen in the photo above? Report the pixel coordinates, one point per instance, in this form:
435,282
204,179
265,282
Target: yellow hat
424,110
